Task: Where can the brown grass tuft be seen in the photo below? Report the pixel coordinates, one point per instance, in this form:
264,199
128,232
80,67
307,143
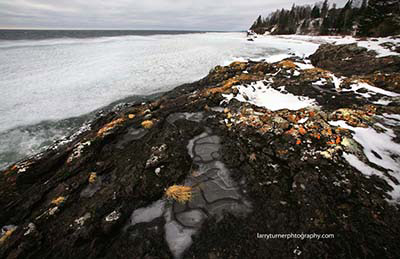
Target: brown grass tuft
179,193
92,178
58,200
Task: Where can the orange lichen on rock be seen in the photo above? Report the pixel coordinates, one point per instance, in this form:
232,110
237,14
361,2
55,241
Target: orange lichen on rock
302,131
238,65
317,72
292,132
298,142
287,64
249,77
292,118
110,126
224,88
282,152
148,124
179,193
316,135
58,200
326,132
131,116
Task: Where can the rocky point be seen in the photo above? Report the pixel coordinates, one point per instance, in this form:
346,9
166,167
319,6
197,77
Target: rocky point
298,146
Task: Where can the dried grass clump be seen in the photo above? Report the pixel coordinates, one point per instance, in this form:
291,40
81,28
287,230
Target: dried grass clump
92,178
179,193
6,236
58,200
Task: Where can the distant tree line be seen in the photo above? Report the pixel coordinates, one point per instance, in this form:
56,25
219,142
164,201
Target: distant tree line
362,18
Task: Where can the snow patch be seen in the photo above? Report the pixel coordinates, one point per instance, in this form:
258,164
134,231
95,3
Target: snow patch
303,66
270,98
380,149
371,43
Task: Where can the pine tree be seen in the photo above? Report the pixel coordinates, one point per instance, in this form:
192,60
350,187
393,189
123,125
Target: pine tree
257,23
315,13
325,9
348,18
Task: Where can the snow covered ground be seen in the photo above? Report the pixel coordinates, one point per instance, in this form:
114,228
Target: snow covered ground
263,95
380,149
369,43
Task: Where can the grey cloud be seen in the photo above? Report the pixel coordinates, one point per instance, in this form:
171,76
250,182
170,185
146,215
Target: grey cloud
133,14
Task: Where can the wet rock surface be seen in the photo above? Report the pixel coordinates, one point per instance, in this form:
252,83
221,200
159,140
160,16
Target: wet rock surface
253,170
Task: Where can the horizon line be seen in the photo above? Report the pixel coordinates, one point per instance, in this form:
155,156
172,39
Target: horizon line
116,29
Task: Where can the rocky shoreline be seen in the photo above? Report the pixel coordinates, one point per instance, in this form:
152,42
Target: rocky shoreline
309,160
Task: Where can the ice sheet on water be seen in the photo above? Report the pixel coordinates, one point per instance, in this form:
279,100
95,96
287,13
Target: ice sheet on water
149,213
51,80
57,79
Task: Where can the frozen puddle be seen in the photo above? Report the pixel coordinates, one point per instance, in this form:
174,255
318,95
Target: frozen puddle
215,193
265,96
379,149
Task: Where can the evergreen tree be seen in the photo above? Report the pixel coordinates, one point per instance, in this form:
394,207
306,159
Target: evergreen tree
257,23
348,18
325,9
315,13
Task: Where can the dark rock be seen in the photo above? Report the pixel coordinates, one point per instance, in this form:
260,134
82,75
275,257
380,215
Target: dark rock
349,60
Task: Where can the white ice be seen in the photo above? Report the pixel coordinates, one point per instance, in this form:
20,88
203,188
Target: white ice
149,213
303,66
62,78
178,238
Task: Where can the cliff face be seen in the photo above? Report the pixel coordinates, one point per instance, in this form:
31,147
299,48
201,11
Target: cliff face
262,148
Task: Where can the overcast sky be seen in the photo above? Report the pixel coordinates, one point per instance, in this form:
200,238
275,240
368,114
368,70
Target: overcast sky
139,14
